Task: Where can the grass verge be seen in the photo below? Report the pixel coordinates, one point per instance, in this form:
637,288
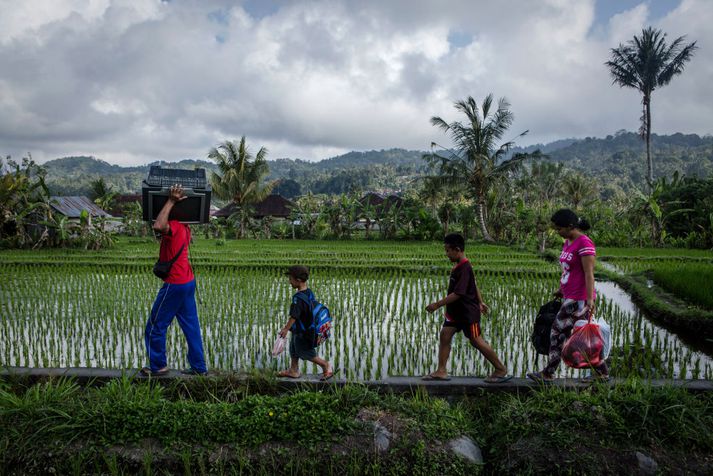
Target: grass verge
127,427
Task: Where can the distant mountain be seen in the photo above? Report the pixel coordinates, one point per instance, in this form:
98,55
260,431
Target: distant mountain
617,161
620,160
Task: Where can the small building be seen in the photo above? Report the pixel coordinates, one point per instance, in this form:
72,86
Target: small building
274,205
122,201
72,207
379,203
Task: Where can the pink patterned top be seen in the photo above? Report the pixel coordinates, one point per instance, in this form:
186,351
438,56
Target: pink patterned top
572,283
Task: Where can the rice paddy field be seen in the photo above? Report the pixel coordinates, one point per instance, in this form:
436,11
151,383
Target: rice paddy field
74,308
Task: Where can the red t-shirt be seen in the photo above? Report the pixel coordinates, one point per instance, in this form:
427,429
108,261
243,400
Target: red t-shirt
181,272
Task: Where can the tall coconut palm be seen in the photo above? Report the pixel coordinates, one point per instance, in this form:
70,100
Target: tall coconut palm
477,162
241,177
645,63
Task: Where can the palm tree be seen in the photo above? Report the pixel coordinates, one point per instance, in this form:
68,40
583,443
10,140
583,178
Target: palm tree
578,189
646,63
477,161
241,176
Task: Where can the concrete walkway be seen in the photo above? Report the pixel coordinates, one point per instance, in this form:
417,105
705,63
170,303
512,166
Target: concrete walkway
457,386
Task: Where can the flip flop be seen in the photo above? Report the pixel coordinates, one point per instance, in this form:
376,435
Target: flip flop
147,372
502,379
284,374
433,378
540,378
324,377
595,378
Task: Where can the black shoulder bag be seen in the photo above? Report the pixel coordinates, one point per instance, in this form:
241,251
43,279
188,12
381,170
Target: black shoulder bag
162,268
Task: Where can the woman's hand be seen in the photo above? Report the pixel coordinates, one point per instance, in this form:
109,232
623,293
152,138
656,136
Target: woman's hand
432,307
283,332
591,307
484,308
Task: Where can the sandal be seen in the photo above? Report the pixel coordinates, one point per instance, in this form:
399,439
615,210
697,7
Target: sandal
595,378
540,377
147,372
193,371
286,374
432,378
497,379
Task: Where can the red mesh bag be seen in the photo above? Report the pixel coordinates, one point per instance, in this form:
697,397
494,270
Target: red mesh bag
584,346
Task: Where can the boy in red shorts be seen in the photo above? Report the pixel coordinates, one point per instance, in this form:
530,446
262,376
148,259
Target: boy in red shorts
464,305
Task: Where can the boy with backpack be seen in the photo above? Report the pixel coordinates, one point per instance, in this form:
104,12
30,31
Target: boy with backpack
464,305
301,322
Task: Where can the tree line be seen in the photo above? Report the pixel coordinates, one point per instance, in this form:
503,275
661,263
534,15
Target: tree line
479,182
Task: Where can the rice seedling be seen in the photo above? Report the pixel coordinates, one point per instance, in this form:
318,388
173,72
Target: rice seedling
68,308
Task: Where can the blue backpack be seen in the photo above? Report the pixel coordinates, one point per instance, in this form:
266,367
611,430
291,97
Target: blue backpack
321,326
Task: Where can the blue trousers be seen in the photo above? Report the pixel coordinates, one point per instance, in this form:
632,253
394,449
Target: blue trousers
175,300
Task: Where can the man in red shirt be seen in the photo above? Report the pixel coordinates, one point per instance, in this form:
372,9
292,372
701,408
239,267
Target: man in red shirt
177,296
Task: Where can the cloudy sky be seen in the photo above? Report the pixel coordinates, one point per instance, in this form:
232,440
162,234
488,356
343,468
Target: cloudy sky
132,81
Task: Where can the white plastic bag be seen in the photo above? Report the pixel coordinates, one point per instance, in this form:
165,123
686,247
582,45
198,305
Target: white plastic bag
279,346
604,329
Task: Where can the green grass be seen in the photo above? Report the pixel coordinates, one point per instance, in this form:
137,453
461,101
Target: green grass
692,282
58,424
84,425
603,252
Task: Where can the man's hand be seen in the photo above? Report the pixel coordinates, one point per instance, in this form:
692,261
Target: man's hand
558,294
175,193
432,307
283,332
484,308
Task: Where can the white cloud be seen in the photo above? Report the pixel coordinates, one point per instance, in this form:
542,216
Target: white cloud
131,81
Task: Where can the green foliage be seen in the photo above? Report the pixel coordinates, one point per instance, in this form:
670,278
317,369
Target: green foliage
631,414
647,63
240,178
692,282
478,161
24,204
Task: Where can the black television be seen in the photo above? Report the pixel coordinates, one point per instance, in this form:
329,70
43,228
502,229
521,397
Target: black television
155,190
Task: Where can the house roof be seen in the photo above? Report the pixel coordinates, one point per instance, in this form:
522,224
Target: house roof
72,207
121,201
274,205
372,198
378,202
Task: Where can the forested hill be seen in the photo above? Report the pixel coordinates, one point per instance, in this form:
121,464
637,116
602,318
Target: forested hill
617,160
621,159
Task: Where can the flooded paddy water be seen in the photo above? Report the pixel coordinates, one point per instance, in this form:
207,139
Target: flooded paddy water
74,315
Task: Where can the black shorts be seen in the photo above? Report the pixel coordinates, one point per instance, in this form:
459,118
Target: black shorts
301,347
471,331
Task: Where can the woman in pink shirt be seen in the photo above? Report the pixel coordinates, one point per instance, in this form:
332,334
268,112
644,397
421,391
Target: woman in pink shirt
576,287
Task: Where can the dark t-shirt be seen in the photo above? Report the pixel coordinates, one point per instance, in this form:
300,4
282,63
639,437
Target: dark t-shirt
462,282
300,310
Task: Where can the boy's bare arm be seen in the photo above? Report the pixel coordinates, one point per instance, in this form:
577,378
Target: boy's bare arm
484,308
451,298
288,326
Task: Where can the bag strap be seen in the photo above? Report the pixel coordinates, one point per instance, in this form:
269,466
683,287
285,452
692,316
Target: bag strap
309,299
173,260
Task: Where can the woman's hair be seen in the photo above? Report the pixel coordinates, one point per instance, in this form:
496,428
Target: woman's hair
454,240
565,217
